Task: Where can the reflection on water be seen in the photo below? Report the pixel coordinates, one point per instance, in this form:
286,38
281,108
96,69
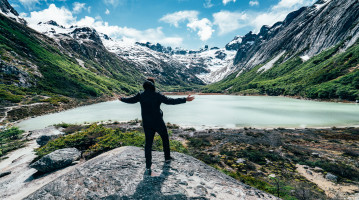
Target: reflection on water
217,111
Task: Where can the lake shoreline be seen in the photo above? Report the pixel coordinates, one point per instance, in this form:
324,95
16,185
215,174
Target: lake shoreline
56,109
259,95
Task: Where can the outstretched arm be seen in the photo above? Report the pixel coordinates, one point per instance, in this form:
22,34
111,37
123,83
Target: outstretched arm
172,101
133,99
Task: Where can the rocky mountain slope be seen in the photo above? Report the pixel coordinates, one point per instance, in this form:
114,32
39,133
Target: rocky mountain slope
148,62
305,32
312,53
119,174
208,64
72,62
7,9
32,62
153,63
169,66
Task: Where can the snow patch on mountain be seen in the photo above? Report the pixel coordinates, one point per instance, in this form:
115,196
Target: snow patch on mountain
270,63
320,4
216,62
305,58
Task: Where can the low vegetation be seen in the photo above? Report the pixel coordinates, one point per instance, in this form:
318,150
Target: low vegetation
267,159
95,139
10,139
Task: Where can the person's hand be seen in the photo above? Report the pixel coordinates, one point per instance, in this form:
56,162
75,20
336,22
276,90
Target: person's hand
189,98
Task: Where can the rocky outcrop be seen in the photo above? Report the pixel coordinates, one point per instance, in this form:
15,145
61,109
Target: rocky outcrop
86,33
305,32
44,139
10,74
2,174
119,174
56,160
331,177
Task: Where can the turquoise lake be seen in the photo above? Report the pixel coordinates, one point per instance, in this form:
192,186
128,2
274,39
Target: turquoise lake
215,111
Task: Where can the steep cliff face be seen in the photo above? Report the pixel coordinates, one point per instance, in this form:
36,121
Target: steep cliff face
6,8
305,32
119,174
9,11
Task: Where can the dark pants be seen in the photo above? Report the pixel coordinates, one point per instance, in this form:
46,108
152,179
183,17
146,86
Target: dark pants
150,131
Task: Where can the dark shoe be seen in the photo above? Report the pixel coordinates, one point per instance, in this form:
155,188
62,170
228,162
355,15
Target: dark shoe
148,171
168,160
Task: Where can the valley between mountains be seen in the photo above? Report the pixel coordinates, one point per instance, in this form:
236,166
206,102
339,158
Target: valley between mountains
312,54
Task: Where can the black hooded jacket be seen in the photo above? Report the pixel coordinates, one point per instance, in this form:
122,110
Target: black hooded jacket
150,101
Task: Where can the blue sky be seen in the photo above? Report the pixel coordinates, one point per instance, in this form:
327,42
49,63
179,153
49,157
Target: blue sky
190,24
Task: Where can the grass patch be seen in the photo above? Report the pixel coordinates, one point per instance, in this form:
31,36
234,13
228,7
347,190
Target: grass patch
10,139
97,139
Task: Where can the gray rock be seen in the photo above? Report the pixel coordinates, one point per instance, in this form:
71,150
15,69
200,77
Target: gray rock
331,177
2,174
44,139
56,160
119,174
201,191
240,160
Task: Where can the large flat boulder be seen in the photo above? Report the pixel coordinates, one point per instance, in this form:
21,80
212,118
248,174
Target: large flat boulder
56,160
119,174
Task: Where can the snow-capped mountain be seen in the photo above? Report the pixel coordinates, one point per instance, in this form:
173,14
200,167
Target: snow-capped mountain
206,65
167,70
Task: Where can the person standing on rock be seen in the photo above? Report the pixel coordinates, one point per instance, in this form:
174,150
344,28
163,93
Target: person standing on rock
152,117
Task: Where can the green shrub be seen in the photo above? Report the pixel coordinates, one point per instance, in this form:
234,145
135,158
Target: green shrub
97,139
12,133
198,142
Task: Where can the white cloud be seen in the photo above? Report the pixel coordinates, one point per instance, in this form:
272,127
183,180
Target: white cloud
14,5
29,4
107,12
60,15
227,1
180,16
208,4
114,3
64,17
290,3
254,3
204,27
78,7
149,35
89,9
278,12
229,21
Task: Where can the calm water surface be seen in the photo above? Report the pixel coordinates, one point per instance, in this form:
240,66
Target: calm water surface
208,111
